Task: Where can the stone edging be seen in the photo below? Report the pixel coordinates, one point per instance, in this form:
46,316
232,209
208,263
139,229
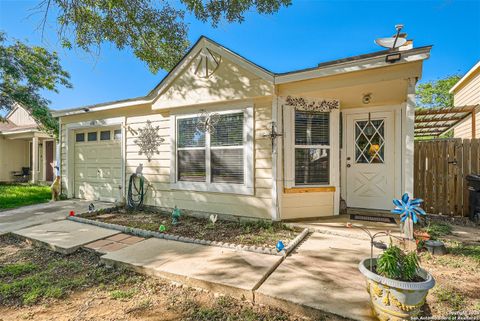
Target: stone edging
145,233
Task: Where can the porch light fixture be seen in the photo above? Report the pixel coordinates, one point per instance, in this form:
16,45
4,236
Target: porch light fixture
392,58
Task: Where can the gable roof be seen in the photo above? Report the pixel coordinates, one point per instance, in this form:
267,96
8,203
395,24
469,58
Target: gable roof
354,63
464,78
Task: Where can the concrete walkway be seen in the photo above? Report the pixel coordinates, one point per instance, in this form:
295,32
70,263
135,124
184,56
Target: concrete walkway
26,216
65,236
236,273
321,275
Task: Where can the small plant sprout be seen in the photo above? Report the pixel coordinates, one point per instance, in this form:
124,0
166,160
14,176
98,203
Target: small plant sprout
373,243
162,228
408,209
213,218
175,215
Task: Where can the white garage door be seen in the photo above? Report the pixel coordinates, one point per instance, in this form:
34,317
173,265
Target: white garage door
98,162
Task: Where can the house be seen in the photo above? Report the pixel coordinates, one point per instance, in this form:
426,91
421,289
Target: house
228,136
23,145
466,92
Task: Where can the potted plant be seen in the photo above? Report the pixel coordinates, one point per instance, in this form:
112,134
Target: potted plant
396,284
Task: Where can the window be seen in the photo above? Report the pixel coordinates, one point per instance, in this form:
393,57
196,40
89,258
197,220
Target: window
215,160
105,135
92,136
117,134
79,137
312,148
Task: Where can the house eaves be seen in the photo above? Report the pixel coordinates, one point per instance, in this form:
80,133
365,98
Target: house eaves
350,64
464,78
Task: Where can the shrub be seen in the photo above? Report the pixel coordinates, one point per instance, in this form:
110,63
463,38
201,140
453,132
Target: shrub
395,264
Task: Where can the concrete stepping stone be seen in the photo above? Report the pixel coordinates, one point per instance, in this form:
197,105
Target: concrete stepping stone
321,276
113,243
65,236
236,273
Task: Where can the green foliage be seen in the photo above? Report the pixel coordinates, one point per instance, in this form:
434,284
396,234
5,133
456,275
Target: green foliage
437,230
454,300
435,93
393,263
25,72
15,195
17,269
154,30
121,294
471,251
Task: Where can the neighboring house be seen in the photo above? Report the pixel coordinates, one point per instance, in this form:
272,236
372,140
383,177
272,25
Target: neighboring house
24,145
466,92
347,127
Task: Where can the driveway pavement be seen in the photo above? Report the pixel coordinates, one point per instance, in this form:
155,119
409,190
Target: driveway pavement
26,216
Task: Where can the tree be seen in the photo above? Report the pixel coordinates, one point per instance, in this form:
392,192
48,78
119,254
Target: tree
155,30
435,93
25,71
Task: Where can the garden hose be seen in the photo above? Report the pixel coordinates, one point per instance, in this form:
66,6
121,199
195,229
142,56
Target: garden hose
136,192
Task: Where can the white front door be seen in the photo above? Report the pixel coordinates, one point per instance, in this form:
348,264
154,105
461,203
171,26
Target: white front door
370,164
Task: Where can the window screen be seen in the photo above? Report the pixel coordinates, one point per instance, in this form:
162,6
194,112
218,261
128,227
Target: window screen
105,135
224,144
117,134
80,137
92,136
312,150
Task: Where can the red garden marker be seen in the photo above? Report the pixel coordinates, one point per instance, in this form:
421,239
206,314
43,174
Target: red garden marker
72,213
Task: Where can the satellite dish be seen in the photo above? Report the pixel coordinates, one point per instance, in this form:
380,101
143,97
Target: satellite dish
396,41
390,42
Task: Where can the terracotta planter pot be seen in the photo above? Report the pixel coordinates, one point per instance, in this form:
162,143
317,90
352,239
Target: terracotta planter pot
421,236
395,300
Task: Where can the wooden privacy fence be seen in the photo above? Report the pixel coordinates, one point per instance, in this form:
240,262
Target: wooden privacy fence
440,168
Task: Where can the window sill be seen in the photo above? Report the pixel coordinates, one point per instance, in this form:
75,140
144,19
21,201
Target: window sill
213,188
294,190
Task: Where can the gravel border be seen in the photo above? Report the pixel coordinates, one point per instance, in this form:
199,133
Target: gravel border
146,234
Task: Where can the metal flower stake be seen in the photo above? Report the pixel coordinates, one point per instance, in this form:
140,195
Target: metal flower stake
408,209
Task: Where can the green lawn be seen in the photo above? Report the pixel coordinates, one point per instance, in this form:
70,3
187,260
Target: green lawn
16,195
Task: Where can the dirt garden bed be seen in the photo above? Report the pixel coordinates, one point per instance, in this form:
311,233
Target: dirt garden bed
259,233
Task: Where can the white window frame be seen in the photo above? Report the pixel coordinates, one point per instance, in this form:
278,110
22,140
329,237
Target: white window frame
290,147
247,188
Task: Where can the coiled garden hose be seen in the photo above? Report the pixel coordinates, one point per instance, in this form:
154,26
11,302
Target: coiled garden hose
136,192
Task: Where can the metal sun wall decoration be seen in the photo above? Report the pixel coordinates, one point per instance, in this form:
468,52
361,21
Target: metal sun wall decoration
408,209
307,104
207,121
149,140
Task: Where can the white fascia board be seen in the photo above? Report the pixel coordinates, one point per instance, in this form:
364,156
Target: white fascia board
351,66
103,107
461,81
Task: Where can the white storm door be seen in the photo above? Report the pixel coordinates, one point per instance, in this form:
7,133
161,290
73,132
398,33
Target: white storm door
370,164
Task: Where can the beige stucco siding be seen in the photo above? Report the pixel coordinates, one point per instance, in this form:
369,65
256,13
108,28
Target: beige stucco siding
13,156
468,94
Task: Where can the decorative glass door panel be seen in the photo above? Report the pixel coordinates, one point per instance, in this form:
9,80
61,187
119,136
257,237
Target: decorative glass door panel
370,141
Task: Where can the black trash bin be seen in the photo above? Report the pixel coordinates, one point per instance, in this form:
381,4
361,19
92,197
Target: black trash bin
474,196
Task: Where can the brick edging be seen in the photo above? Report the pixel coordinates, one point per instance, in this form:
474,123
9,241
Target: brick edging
145,234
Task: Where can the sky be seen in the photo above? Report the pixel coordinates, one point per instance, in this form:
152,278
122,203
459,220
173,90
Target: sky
302,35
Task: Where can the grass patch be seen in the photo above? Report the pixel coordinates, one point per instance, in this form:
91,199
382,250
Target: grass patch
437,230
34,275
121,294
470,251
454,300
16,195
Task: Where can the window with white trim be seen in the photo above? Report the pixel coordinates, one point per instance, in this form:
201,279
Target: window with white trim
217,160
312,148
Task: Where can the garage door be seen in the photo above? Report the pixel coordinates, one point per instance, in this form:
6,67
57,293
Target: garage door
98,164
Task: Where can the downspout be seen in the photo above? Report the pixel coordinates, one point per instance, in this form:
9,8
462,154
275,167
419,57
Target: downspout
58,154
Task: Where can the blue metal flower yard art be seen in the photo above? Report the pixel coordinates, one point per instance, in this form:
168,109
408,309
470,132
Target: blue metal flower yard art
408,209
